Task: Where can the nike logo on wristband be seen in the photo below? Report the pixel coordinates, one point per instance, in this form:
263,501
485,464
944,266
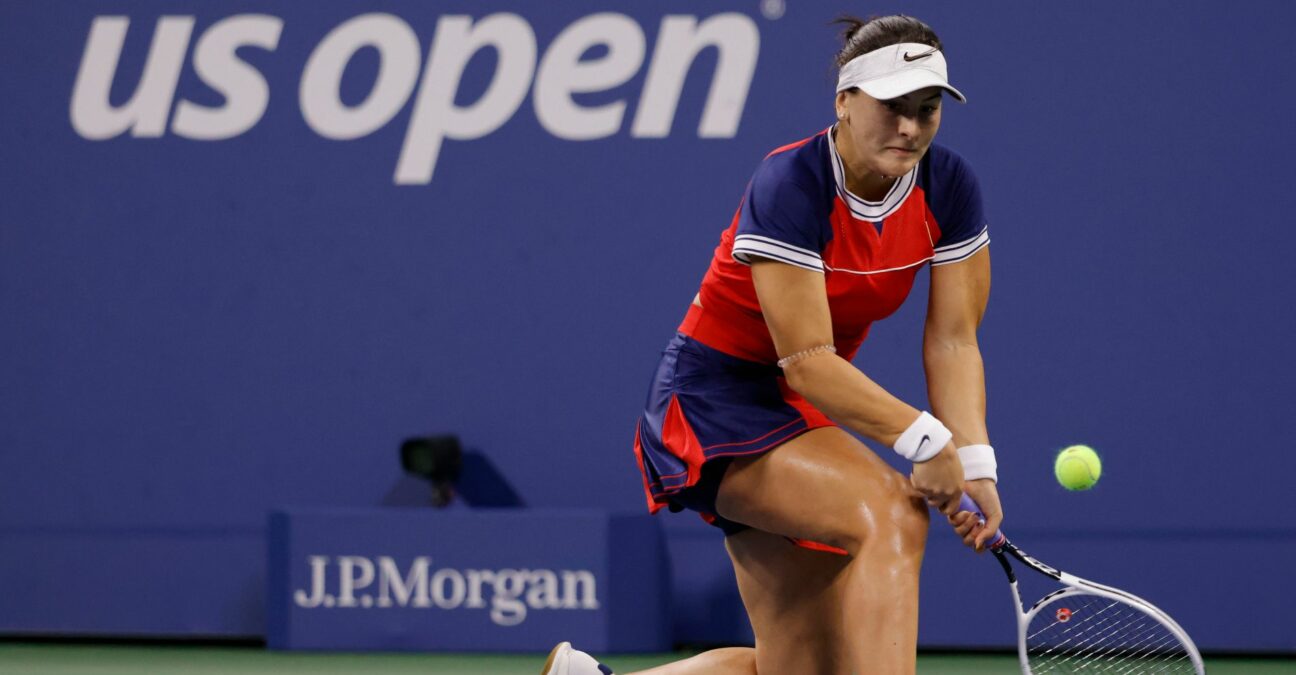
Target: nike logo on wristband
923,55
918,452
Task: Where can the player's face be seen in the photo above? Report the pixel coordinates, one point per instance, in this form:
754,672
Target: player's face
889,137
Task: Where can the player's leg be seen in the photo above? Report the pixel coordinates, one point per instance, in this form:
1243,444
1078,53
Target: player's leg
793,599
825,486
816,612
822,486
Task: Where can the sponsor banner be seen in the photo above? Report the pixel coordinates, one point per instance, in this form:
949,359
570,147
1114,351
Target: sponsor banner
496,580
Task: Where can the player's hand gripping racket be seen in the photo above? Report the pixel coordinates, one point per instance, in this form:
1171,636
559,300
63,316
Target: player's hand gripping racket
1085,627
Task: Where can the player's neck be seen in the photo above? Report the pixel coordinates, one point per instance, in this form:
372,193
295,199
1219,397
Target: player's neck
869,187
860,181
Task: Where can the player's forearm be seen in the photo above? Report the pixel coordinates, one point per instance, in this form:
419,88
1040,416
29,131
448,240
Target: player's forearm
850,398
956,389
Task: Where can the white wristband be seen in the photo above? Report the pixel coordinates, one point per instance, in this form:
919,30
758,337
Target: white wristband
924,439
978,462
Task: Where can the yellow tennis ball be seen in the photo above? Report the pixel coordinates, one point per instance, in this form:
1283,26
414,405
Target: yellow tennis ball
1077,467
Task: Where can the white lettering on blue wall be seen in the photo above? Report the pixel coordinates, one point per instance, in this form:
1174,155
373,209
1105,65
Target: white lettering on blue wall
552,77
508,594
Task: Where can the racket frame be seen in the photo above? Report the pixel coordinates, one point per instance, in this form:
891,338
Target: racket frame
1073,585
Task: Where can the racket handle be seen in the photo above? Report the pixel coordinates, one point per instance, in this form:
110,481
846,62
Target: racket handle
967,504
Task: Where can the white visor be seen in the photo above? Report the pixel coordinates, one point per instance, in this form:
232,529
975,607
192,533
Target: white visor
896,70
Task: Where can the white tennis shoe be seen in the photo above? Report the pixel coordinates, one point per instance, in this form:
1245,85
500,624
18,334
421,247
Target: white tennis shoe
564,660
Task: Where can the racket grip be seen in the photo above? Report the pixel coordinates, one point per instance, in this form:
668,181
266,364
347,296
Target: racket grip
967,504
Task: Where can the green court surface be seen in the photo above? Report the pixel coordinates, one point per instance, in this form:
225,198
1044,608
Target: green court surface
76,659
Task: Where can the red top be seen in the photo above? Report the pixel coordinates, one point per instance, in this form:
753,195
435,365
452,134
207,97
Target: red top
797,210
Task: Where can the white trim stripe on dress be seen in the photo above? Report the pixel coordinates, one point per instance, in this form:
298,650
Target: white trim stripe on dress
889,269
955,252
747,245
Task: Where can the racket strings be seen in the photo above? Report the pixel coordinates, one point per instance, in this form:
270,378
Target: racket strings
1083,633
1142,648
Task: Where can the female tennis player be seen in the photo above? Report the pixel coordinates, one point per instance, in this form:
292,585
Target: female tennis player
742,419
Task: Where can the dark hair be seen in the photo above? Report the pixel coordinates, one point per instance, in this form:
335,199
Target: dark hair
862,37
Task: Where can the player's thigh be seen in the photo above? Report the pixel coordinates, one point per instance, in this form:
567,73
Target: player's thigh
824,486
794,598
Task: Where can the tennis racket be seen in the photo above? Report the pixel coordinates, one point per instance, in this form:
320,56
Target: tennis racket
1085,627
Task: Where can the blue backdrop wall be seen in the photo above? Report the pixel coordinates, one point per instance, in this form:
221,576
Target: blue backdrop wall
247,247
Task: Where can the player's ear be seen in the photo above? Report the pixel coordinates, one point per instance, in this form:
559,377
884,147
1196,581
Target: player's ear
843,97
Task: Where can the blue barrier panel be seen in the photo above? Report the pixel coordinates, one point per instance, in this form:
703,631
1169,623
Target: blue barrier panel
491,580
133,583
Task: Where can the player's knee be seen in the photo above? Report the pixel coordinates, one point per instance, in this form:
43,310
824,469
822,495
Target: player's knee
912,519
903,526
894,523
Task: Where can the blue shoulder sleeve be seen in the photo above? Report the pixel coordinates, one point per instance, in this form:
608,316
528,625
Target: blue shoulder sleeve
954,196
782,219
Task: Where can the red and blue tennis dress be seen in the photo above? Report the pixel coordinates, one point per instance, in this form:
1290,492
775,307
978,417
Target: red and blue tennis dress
717,392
